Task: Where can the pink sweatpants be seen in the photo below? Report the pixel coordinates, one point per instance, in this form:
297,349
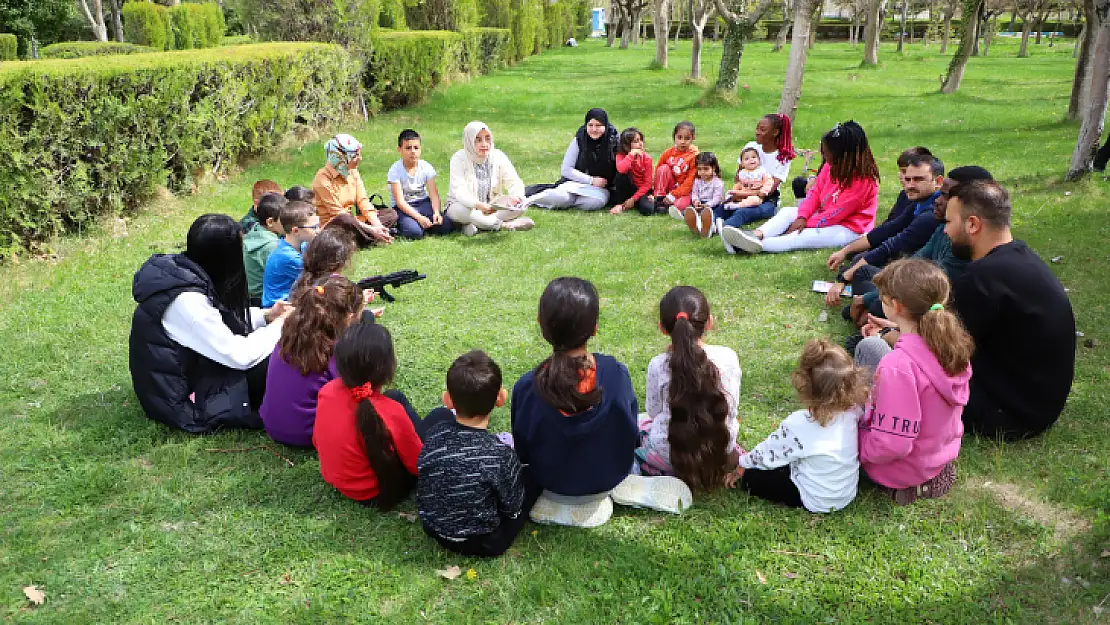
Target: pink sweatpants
665,183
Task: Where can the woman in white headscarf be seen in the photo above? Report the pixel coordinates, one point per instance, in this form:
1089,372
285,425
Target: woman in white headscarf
485,191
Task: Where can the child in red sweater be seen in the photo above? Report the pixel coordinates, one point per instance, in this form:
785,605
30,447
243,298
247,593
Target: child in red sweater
632,186
674,178
367,441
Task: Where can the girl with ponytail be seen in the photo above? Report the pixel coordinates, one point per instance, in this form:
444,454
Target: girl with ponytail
302,362
692,390
910,436
574,421
746,202
366,440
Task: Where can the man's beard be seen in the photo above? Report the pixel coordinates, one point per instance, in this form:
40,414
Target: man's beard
961,250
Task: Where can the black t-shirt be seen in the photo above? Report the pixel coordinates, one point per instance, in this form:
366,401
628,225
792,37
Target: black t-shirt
1019,315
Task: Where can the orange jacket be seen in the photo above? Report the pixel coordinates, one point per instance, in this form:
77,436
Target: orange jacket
682,165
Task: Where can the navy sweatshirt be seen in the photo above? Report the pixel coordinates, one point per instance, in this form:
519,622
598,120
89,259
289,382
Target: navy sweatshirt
581,454
885,229
904,235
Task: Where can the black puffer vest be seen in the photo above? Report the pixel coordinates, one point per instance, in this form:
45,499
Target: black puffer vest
164,373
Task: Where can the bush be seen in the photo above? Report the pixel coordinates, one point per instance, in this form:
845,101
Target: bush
196,25
495,13
485,50
96,136
80,49
527,16
405,66
8,47
147,24
237,40
349,22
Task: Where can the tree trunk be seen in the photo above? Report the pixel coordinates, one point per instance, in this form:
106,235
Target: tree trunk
661,19
1026,28
678,27
1093,109
95,17
612,24
871,33
1038,24
1081,82
902,27
117,21
700,12
815,19
784,30
795,69
1082,35
946,34
695,52
988,37
729,75
969,34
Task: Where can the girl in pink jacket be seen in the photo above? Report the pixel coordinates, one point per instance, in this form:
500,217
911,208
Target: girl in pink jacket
837,210
910,435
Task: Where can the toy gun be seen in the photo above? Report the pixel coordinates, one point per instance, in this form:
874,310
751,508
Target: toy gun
395,279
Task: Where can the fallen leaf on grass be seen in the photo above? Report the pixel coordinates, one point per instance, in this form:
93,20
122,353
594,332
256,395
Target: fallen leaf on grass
34,595
285,579
762,580
411,518
450,572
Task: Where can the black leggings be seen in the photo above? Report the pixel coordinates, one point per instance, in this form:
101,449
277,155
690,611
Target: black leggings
623,189
256,384
1103,155
499,540
773,485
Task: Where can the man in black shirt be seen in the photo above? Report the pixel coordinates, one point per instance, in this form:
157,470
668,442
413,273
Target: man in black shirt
1018,314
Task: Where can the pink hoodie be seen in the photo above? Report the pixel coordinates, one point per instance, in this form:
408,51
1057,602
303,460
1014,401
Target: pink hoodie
829,204
912,426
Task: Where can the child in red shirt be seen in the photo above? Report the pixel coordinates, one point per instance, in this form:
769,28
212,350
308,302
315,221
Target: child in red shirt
367,442
674,178
632,186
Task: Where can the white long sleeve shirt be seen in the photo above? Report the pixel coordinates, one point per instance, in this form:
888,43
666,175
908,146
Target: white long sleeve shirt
824,460
194,323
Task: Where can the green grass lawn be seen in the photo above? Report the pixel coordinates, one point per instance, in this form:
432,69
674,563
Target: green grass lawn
119,519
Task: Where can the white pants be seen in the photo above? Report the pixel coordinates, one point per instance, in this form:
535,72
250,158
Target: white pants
463,215
572,195
804,239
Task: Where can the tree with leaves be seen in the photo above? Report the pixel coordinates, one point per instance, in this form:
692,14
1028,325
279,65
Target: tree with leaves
799,48
1092,111
94,13
969,35
740,18
787,25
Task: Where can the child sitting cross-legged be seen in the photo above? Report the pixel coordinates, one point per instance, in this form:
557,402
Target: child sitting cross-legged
283,267
910,437
412,185
690,427
470,491
574,421
706,195
812,459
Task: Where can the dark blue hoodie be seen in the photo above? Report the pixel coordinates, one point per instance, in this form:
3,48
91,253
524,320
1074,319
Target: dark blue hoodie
904,235
581,454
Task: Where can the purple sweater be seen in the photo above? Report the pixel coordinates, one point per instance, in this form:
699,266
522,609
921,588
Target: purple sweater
289,406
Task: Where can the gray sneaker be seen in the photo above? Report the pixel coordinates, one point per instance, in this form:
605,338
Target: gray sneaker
742,239
469,230
720,231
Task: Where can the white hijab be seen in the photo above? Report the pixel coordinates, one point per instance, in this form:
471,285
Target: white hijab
470,135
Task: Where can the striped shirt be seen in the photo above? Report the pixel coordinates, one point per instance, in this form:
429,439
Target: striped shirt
468,481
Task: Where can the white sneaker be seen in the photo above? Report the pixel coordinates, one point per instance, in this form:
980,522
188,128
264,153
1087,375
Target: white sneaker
590,514
742,239
520,224
664,493
720,230
675,213
469,230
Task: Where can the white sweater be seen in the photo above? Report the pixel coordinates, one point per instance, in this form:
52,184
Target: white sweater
463,188
824,460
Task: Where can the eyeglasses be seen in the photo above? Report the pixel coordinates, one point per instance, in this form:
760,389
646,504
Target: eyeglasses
316,227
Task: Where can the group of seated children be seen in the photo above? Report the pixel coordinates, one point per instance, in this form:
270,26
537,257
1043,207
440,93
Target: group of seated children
578,444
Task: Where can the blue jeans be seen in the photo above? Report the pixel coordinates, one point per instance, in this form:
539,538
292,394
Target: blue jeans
746,215
410,229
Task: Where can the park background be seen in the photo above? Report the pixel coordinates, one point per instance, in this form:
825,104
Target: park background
108,159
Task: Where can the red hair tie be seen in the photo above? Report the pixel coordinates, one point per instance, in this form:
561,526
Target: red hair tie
362,393
682,315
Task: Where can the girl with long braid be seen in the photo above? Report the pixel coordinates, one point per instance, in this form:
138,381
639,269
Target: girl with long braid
839,209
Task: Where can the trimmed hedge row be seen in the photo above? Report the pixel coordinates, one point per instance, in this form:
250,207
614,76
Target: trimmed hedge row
99,135
9,47
184,27
405,66
81,49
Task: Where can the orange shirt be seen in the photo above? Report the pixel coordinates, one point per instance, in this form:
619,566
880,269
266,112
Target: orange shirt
682,164
336,194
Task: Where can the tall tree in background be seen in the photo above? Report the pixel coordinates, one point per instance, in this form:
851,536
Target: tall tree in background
799,48
969,35
948,8
787,24
661,17
740,19
1092,110
700,13
1081,82
902,26
872,33
94,13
